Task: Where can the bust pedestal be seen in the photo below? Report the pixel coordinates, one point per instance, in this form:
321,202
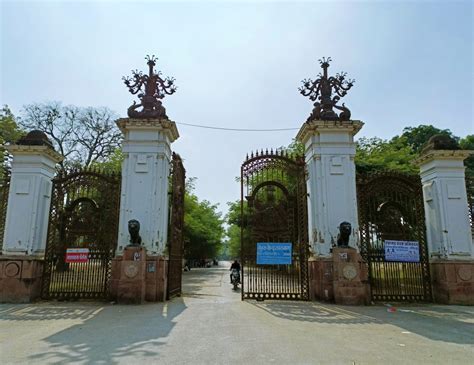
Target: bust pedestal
350,282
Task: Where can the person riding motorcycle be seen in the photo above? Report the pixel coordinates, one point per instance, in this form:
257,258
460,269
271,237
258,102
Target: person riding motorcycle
235,265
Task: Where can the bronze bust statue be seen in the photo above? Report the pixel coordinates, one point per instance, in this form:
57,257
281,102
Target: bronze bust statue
134,230
345,230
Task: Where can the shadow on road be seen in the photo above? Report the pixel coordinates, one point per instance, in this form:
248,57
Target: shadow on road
105,334
441,323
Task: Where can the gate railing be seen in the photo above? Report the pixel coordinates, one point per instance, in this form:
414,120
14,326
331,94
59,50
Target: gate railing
4,189
470,201
176,227
84,215
273,209
390,207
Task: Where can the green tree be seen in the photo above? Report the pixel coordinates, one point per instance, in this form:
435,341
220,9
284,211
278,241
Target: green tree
467,143
235,222
377,154
203,227
10,132
416,137
398,154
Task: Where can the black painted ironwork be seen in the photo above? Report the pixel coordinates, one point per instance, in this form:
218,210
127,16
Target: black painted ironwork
321,90
176,227
152,88
4,189
84,214
391,208
274,209
470,200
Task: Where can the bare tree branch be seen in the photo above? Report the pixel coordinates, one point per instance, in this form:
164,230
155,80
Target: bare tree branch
82,135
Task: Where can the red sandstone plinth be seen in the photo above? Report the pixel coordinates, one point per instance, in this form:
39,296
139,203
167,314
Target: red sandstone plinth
156,279
350,282
149,285
20,278
453,282
131,269
321,279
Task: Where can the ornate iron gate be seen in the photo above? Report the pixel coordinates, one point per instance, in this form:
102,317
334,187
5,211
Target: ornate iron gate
470,200
391,208
274,209
4,189
84,215
176,227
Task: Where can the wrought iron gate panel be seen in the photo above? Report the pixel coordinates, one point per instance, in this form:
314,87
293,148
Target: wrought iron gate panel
273,208
470,201
391,208
84,214
4,189
176,228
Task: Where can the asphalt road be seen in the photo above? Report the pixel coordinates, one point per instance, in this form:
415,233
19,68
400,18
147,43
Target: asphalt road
209,324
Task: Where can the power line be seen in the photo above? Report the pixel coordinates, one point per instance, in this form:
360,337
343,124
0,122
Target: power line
238,129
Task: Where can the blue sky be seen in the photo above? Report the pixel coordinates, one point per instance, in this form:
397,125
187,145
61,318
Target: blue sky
240,64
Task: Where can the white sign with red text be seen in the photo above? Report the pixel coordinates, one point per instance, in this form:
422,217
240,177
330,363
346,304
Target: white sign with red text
77,255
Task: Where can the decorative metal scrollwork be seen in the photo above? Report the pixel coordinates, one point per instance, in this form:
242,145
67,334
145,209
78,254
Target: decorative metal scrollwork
154,89
320,91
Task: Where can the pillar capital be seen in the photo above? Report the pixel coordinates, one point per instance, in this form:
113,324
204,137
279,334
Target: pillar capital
317,127
150,125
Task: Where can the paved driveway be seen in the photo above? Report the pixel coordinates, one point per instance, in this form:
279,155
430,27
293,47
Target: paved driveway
210,325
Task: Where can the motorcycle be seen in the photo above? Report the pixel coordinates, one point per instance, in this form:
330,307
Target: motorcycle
235,278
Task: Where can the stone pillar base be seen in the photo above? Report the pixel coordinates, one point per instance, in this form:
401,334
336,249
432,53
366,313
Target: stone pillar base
321,279
20,278
128,276
350,277
453,282
156,279
136,279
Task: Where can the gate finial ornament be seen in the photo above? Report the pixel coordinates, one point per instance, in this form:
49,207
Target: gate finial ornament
154,89
322,88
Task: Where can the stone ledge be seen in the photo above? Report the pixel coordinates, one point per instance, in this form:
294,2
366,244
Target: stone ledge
164,124
316,126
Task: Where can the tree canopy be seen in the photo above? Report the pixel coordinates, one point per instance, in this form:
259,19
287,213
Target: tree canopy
82,135
398,153
10,132
203,227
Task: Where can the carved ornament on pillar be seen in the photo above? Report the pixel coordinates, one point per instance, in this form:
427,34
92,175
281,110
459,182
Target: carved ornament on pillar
153,88
320,92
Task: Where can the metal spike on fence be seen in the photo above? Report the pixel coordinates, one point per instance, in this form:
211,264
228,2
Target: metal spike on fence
271,151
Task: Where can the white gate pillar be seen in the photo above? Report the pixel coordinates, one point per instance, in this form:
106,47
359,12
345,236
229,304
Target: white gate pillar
446,208
145,181
332,197
29,198
447,222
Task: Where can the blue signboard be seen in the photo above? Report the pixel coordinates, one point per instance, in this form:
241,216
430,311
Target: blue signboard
272,253
404,251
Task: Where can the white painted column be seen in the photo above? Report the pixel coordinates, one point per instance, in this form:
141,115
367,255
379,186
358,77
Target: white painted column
29,199
330,151
446,208
145,180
